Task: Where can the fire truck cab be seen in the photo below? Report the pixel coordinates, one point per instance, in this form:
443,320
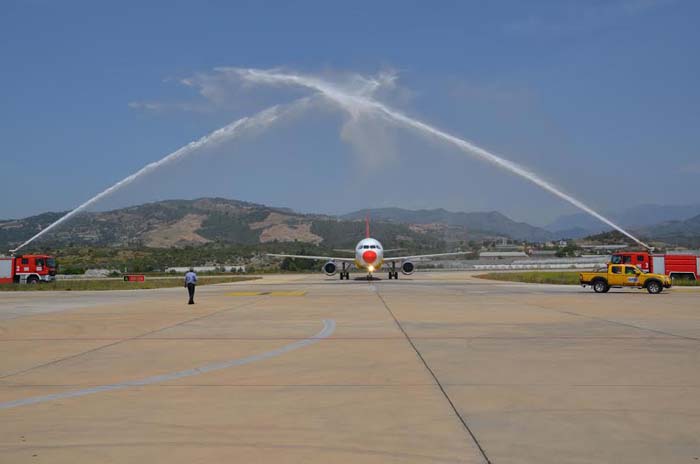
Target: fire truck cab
641,259
30,269
673,265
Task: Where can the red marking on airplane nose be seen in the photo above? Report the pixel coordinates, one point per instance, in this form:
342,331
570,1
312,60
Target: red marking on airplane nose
369,256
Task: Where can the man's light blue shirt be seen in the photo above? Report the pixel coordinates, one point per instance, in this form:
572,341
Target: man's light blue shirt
190,278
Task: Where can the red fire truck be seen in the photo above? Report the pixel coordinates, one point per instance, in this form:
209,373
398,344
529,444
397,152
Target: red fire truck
676,266
30,269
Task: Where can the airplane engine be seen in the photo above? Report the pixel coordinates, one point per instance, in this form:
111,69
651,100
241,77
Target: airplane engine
330,268
407,268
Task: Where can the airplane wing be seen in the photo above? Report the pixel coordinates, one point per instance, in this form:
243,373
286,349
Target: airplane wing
418,257
320,258
386,250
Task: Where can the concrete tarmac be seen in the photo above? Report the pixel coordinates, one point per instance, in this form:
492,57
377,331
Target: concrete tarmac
432,368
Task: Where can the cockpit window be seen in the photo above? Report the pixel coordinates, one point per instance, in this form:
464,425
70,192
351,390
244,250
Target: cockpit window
366,247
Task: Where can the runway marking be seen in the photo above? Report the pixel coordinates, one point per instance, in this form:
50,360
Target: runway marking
435,378
275,293
123,340
328,329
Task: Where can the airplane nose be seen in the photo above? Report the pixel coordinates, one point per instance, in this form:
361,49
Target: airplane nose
369,256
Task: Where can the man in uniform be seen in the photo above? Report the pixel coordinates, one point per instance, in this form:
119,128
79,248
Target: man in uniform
190,283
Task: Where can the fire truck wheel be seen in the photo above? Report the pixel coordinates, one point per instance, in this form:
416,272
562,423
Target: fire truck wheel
32,280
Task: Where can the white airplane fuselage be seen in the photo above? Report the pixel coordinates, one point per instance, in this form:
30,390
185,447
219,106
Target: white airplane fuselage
369,255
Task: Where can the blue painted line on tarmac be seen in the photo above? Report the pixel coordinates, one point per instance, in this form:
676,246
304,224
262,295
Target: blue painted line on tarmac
328,329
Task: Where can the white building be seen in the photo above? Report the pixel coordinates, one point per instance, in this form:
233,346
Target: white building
182,270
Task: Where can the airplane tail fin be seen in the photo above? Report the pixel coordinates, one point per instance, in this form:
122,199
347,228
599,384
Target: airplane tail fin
366,226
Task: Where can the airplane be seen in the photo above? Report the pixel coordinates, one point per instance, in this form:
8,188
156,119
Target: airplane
369,255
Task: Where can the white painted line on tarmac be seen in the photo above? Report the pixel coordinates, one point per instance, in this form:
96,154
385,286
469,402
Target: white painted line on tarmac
328,329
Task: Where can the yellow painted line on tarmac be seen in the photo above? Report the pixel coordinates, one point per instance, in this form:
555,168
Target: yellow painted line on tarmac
244,293
289,293
278,293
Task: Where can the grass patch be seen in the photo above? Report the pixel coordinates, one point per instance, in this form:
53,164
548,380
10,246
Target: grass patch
119,284
685,283
535,277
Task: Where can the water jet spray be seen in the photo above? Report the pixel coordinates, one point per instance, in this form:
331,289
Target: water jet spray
260,120
358,103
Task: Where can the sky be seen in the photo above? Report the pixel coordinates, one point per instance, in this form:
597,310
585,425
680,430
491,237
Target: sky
598,97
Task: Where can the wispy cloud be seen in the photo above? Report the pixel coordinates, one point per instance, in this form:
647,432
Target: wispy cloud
213,92
222,89
373,141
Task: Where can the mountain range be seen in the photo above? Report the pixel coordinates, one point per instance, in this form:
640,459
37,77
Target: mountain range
484,223
179,223
684,233
641,218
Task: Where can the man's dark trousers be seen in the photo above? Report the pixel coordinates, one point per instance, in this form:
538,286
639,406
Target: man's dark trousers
190,289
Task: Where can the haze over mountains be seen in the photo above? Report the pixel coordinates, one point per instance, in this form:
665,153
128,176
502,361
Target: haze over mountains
177,223
684,233
640,217
491,222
